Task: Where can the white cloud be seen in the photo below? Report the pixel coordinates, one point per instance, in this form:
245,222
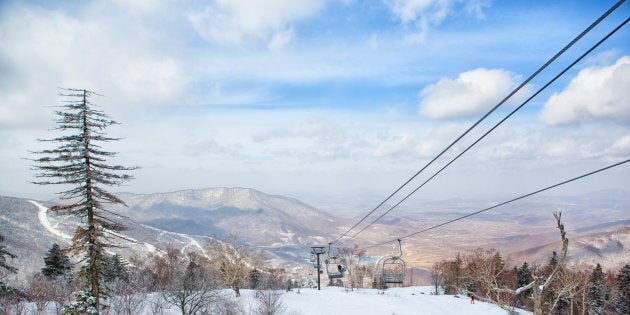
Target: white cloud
280,39
598,92
620,148
421,15
95,50
471,93
233,22
394,144
420,11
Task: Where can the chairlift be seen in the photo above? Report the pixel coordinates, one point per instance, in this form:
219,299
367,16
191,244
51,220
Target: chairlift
394,268
335,265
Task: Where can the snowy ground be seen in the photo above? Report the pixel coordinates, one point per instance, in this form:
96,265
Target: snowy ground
334,300
399,301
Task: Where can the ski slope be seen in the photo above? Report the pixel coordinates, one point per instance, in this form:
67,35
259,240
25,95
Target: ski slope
43,220
399,301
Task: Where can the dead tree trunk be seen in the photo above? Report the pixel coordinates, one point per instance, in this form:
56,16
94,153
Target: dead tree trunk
540,284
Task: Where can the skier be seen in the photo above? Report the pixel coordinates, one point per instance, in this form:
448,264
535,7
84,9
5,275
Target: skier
472,299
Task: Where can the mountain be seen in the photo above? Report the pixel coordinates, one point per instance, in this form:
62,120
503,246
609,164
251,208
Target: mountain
284,227
30,230
610,248
257,218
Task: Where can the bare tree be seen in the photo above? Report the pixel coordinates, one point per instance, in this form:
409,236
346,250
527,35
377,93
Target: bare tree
269,302
131,291
484,271
353,256
185,283
542,283
234,261
79,162
437,277
41,291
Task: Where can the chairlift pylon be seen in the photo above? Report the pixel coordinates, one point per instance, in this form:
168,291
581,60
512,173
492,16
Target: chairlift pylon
394,268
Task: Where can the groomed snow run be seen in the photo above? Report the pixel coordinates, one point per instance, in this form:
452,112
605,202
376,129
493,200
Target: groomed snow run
43,220
399,301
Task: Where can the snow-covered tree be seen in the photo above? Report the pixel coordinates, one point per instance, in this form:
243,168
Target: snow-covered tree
255,278
83,304
56,263
623,287
597,291
4,254
80,164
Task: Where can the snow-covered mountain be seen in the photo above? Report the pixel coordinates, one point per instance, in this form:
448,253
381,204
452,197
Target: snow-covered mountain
30,230
284,227
256,217
610,248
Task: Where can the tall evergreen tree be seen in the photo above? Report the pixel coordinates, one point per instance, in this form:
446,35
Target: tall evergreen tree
623,286
523,278
80,163
597,291
56,263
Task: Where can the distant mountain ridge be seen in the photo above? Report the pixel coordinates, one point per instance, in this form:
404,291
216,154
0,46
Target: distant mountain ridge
286,227
609,248
259,218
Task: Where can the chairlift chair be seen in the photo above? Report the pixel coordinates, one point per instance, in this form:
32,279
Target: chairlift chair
394,268
335,266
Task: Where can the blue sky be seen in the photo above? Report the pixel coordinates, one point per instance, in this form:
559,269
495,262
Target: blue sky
326,101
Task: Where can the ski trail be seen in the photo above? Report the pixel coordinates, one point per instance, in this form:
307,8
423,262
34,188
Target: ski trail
43,220
193,242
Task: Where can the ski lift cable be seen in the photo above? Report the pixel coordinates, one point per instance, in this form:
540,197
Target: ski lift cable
532,76
503,203
495,126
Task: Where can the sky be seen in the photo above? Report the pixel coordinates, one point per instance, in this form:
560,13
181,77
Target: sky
326,101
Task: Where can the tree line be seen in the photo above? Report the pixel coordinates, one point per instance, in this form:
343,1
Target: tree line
552,288
191,283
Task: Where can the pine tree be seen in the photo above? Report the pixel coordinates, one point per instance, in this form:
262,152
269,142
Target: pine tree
4,266
115,268
623,285
4,253
80,163
56,263
523,278
255,278
596,291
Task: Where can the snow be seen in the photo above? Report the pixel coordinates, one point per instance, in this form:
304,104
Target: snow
335,300
399,301
43,220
